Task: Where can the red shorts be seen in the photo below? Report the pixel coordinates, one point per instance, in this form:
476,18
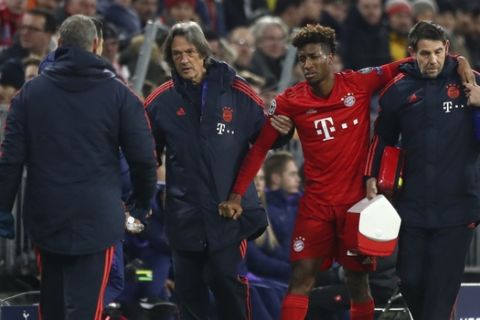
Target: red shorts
320,235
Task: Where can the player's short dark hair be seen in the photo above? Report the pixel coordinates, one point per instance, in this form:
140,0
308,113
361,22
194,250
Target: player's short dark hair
316,33
275,164
426,30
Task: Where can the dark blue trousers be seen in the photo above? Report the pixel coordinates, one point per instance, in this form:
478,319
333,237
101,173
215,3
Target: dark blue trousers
116,279
72,286
430,265
197,272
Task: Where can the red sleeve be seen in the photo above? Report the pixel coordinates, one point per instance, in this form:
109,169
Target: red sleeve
377,77
254,159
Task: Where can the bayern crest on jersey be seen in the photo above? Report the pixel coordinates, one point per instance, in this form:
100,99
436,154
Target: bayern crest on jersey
349,100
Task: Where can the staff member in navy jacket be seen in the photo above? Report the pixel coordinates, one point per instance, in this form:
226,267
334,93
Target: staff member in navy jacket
67,126
440,202
205,117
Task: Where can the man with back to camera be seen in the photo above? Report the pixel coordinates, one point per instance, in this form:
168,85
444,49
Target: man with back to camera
440,201
205,118
331,115
68,132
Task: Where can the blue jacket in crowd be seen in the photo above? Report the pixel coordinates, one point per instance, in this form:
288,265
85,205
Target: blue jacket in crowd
274,263
442,166
206,130
282,211
67,126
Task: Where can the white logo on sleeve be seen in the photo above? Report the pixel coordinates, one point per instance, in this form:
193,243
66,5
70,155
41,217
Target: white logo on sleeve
272,108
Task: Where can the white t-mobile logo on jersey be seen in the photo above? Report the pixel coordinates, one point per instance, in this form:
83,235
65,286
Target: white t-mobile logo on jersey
327,127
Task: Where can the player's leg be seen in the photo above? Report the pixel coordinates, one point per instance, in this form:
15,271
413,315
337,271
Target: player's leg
312,246
362,306
295,303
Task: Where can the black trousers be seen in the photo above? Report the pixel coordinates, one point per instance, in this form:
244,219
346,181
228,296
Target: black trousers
197,272
430,265
72,286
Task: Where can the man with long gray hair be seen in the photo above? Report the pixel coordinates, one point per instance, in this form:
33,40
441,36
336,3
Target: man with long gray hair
206,117
67,126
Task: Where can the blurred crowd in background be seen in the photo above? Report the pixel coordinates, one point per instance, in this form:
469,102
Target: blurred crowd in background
251,35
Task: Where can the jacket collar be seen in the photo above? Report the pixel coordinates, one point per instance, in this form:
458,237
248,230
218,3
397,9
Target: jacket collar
412,69
219,74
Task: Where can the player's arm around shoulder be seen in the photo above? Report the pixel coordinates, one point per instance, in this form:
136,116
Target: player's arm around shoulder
280,120
465,71
472,91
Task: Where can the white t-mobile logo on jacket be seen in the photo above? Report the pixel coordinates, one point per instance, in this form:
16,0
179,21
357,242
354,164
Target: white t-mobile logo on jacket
220,128
448,106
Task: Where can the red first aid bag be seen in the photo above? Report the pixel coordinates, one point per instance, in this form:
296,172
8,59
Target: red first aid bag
371,227
389,178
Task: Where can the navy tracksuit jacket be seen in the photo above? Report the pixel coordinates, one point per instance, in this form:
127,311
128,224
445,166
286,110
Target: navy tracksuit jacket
206,142
442,166
67,127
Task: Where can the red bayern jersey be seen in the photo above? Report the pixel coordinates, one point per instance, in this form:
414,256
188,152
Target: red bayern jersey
334,132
